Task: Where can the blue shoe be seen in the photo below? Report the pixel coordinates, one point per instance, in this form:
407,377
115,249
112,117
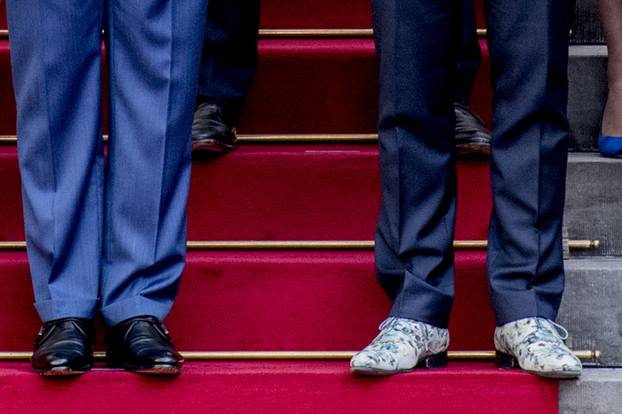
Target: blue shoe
610,146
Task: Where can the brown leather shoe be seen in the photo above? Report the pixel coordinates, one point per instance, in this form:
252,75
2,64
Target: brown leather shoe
472,137
212,128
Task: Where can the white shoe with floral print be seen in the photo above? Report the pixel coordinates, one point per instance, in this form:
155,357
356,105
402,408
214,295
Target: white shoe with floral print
537,346
402,345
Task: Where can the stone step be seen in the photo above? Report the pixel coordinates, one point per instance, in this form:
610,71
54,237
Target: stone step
598,391
591,308
587,28
587,94
593,199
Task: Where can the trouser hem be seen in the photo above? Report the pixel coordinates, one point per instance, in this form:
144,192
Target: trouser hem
50,310
135,306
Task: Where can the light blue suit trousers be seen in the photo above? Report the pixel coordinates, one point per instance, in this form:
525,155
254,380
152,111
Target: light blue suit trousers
105,234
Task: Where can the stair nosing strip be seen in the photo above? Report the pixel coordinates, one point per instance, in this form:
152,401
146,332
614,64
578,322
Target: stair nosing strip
296,355
303,33
269,138
312,245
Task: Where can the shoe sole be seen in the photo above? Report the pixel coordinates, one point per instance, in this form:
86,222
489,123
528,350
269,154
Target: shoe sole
473,149
212,146
431,362
162,369
62,372
158,370
506,361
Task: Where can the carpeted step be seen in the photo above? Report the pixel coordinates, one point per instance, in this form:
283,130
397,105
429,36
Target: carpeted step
342,14
272,300
282,387
302,86
7,97
307,14
283,192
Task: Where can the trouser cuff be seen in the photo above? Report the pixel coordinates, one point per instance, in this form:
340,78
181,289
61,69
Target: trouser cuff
50,310
135,306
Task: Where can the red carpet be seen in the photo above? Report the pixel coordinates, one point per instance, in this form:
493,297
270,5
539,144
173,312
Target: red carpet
330,14
282,300
281,387
308,14
302,86
249,301
284,192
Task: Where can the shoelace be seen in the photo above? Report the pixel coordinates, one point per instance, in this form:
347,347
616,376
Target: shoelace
561,332
400,325
387,323
393,328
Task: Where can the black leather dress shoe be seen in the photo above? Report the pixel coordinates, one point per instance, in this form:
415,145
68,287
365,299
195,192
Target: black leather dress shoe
472,137
212,128
64,347
143,345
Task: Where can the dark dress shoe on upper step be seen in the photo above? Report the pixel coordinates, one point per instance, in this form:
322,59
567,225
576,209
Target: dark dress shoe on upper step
472,136
212,128
64,347
143,345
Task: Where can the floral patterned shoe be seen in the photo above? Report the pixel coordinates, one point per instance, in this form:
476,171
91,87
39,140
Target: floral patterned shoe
402,345
537,346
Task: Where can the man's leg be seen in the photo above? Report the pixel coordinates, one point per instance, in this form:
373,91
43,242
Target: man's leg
472,136
228,66
61,165
154,48
529,55
414,258
469,54
153,74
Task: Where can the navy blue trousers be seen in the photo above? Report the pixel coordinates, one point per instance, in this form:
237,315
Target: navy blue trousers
416,41
105,235
229,58
469,55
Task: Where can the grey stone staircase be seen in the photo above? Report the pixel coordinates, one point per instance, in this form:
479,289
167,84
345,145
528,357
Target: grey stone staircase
596,392
592,306
586,28
587,73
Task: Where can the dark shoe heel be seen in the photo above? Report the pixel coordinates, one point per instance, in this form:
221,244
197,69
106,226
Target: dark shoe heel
505,361
114,361
434,361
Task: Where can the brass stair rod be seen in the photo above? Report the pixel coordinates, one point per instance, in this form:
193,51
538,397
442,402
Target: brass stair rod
270,138
295,355
301,33
313,245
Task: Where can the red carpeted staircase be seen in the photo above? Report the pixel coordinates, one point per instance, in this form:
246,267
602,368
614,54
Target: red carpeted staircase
281,387
273,301
255,298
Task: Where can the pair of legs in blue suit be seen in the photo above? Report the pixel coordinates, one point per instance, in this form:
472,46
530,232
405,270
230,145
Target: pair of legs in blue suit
416,42
105,234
